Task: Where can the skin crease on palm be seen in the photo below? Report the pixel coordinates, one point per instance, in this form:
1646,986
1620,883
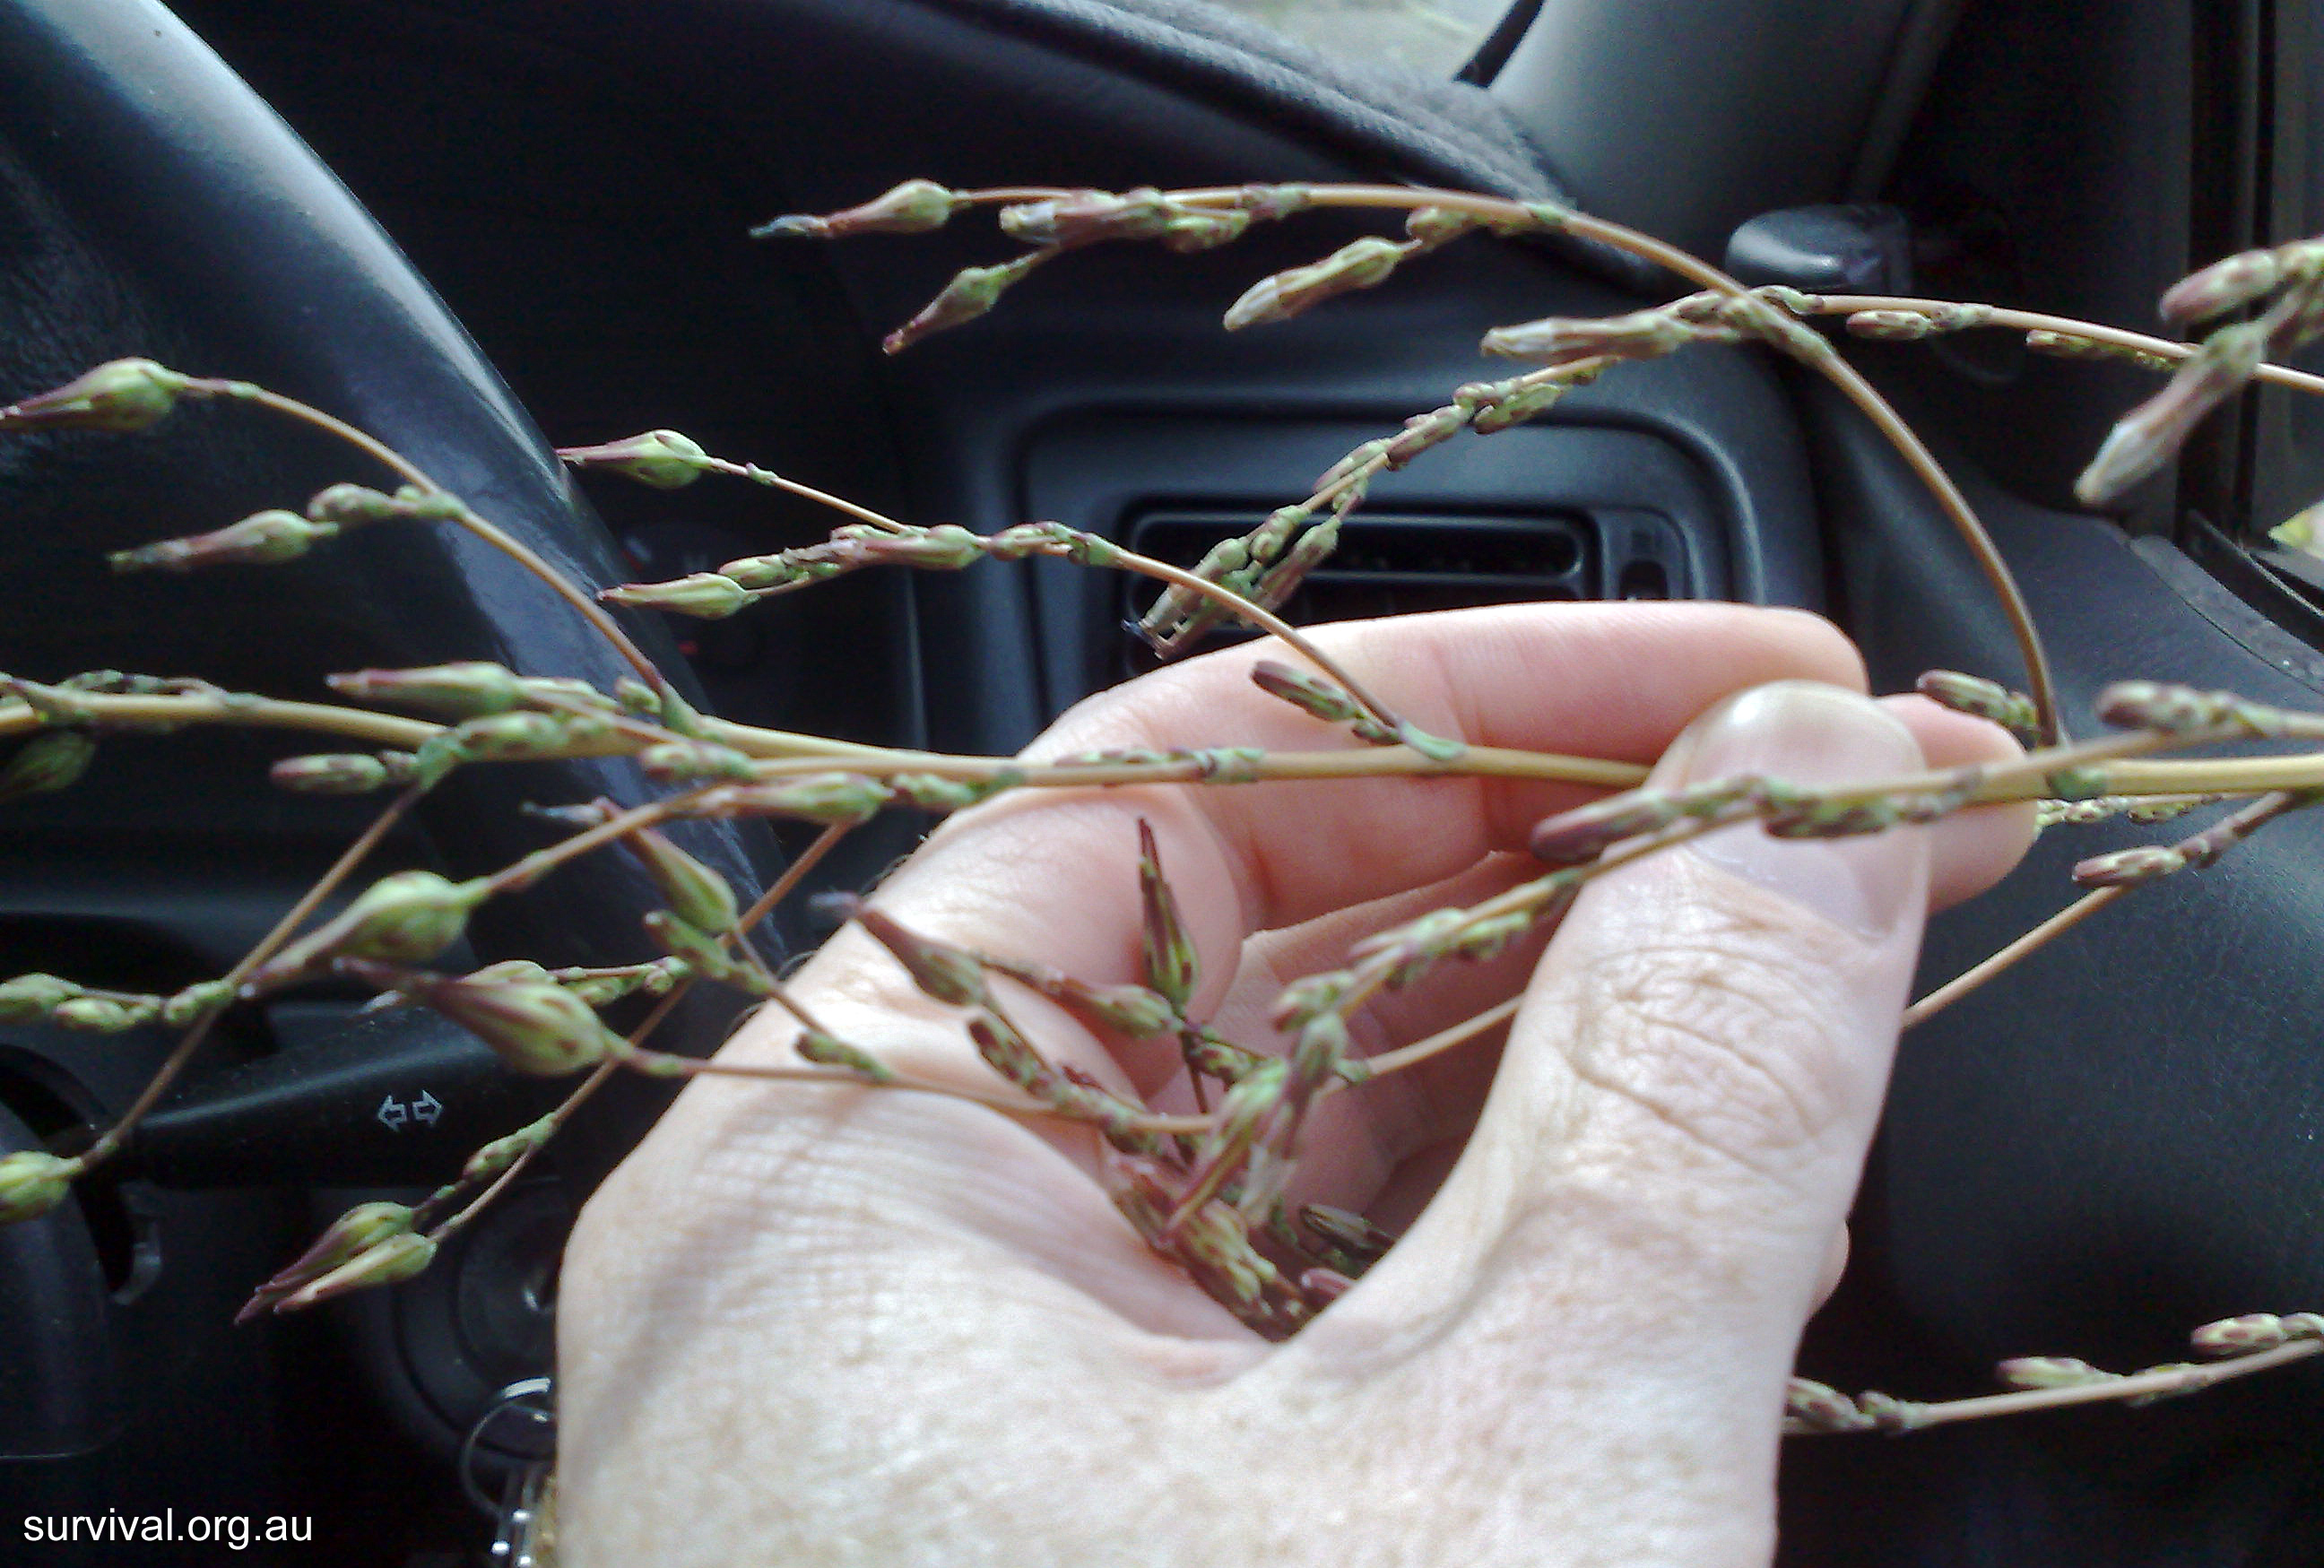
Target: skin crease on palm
822,1326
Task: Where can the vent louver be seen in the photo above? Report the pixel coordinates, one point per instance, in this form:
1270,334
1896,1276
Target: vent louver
1388,564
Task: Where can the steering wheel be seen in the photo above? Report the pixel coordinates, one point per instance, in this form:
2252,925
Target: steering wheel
151,204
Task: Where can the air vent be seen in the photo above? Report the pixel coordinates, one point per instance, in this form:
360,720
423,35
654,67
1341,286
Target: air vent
1391,565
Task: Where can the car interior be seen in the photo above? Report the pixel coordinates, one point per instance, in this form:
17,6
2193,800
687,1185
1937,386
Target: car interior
483,228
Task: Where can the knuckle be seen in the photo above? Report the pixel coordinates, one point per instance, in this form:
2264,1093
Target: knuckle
1722,1039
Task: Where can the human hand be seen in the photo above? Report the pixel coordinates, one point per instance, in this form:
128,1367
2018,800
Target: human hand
825,1325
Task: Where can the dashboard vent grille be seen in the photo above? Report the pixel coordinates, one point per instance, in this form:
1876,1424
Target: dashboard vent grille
1389,564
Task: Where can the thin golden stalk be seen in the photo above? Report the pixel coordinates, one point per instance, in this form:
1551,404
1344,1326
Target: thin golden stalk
792,875
2040,686
2118,872
2160,1383
2013,320
1443,1040
492,534
2025,946
279,933
774,481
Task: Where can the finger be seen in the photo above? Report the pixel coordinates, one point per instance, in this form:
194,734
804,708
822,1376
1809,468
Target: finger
1611,682
1353,1144
1682,1111
1358,1144
1970,851
1045,877
1835,1264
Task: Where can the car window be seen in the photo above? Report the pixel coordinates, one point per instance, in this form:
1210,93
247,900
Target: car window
1435,37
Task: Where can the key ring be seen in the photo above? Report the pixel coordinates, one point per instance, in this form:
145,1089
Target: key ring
521,1424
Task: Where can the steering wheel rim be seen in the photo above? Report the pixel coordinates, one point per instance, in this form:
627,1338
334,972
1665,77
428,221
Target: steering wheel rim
152,204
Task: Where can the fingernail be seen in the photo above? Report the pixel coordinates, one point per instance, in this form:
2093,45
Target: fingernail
1807,733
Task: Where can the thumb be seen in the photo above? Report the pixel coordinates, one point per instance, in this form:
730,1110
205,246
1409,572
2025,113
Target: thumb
1680,1116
